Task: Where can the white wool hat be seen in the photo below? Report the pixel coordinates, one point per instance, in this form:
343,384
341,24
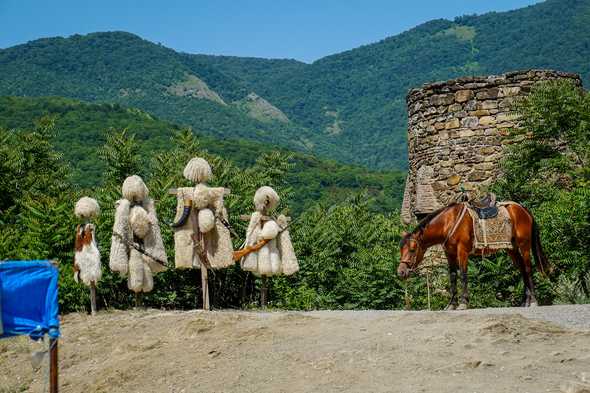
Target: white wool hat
266,198
86,207
197,170
134,189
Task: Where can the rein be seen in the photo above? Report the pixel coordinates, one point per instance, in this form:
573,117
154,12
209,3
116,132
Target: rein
449,235
456,224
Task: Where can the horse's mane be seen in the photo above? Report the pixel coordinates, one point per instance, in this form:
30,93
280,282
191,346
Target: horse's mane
425,221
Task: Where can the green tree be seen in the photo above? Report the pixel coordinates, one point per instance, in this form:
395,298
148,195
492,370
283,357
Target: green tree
549,171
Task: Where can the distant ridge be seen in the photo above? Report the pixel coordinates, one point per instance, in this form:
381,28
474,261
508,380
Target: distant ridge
348,106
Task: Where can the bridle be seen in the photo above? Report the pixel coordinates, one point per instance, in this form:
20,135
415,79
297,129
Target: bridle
412,244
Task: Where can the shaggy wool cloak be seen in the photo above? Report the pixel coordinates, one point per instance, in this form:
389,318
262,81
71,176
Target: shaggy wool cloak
86,256
207,207
277,256
87,265
132,223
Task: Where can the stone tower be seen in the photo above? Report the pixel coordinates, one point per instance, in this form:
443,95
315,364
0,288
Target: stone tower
457,133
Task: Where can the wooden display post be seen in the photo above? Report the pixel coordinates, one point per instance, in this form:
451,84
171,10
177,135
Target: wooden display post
204,271
138,300
264,292
53,363
205,287
53,366
264,286
92,298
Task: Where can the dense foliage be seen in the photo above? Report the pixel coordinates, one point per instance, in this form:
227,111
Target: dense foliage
349,106
347,251
37,222
83,128
550,173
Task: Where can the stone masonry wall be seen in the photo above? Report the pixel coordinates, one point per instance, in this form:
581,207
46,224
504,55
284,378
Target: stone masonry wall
457,133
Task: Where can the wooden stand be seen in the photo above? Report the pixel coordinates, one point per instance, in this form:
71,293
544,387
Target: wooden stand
53,364
138,300
205,287
92,298
204,272
264,292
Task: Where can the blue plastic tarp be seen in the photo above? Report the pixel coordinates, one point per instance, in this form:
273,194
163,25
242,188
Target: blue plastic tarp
28,299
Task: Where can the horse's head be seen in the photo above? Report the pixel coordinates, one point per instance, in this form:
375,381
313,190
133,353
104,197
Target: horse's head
412,253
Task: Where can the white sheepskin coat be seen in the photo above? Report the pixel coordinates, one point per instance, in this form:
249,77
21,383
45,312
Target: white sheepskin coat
277,256
139,221
207,206
87,260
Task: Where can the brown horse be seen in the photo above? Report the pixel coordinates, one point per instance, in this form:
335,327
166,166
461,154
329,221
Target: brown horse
452,228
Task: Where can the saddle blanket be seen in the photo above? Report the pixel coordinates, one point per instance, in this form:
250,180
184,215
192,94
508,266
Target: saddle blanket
492,233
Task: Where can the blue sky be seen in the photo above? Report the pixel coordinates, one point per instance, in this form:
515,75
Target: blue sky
302,29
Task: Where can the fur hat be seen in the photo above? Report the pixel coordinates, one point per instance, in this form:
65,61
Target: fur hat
86,208
197,170
266,198
134,189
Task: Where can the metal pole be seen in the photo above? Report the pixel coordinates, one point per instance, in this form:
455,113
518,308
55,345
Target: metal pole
53,364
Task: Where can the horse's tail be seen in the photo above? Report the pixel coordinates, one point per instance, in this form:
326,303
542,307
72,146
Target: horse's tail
541,260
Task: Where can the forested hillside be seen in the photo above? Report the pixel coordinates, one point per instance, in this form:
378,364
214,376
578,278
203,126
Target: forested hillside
81,128
348,252
349,106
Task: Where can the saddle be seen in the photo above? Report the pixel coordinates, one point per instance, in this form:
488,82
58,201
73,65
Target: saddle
485,207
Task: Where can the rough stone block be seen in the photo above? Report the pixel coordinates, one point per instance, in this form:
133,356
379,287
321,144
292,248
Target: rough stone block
453,180
462,168
507,91
466,133
505,125
480,113
453,123
487,120
471,105
455,107
442,99
478,175
470,122
487,94
485,166
487,150
463,95
439,186
490,104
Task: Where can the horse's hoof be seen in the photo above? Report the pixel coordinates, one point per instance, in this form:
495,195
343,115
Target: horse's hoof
462,306
451,307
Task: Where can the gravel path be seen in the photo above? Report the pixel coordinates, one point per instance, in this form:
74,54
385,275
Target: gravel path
501,350
573,316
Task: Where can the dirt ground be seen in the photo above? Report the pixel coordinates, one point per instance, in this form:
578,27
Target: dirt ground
327,351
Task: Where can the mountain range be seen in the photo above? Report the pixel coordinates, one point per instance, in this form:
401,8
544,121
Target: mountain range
349,106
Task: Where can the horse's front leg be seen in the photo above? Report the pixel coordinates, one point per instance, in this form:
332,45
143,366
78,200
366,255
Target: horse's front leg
462,259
